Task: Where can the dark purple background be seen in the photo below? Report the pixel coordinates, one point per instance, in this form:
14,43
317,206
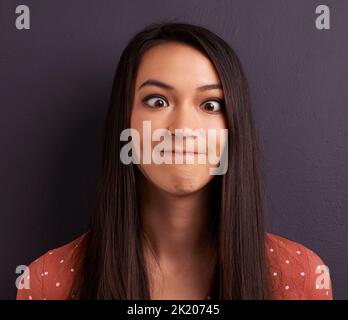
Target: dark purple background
55,81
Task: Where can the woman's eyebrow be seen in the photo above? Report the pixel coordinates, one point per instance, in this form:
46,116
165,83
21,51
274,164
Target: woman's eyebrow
163,85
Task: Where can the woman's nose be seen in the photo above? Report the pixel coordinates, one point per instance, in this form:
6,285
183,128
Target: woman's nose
183,117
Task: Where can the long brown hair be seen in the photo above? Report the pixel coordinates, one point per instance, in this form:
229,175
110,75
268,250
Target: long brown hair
114,266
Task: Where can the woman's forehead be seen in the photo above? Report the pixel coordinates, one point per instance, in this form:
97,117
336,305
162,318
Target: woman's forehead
177,65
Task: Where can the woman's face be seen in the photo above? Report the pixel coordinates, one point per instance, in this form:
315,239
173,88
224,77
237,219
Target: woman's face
176,103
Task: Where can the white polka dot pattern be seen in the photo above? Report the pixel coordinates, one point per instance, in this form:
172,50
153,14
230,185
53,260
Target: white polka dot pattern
293,272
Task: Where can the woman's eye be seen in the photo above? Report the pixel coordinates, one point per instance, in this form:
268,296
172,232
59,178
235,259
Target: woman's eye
213,106
155,102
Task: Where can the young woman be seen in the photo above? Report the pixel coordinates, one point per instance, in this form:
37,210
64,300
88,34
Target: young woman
175,231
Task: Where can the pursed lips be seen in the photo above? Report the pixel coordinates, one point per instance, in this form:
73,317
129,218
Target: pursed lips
181,152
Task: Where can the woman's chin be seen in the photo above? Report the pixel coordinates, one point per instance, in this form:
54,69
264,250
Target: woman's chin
182,184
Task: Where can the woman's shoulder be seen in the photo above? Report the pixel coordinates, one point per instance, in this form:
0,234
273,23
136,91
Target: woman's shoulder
287,246
296,271
51,275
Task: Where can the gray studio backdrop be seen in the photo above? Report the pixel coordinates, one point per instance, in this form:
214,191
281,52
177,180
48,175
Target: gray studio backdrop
55,81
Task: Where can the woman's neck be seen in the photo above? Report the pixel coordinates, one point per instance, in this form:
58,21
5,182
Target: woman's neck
177,226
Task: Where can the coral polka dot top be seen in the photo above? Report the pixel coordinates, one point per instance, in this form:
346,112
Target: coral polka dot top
295,272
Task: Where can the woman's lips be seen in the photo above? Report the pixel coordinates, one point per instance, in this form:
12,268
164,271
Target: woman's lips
173,152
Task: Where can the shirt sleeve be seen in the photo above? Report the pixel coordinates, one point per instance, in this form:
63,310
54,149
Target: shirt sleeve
31,284
318,285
